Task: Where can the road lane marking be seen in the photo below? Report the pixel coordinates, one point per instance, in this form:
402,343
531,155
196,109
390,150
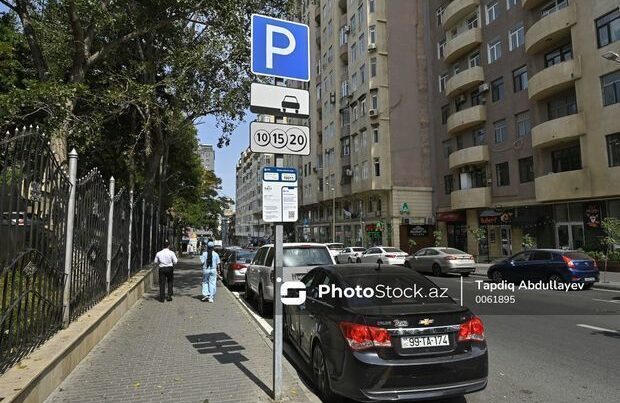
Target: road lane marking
600,329
606,290
606,300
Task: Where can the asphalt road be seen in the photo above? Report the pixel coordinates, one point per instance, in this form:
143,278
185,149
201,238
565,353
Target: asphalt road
547,346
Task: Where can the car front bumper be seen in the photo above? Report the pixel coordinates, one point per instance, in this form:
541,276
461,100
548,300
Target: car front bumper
368,378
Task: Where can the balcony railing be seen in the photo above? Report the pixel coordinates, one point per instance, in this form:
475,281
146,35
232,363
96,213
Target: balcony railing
467,118
550,30
554,79
456,11
471,198
469,156
563,185
559,130
462,44
464,80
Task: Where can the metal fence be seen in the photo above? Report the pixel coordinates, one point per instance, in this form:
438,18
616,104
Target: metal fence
65,242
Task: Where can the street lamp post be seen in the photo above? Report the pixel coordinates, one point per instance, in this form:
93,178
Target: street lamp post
611,56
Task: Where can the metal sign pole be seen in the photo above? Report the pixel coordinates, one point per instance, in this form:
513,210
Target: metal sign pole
277,305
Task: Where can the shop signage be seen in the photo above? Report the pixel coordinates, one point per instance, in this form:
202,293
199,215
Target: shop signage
418,230
593,215
494,217
452,216
404,209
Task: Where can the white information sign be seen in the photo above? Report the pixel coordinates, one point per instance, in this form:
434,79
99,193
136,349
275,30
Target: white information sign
278,100
280,202
278,138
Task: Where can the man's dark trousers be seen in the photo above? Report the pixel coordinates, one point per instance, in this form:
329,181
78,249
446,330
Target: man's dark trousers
166,274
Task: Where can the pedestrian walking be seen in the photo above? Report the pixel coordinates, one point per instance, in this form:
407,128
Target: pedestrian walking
166,259
210,261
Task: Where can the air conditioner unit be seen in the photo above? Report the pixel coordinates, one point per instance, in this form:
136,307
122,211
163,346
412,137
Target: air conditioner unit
348,172
372,47
484,87
346,28
373,113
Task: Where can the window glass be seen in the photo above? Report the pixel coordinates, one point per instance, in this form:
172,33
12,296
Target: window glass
492,11
448,184
523,125
517,37
497,90
613,149
499,128
610,84
520,80
559,55
526,169
494,50
540,255
270,257
562,106
566,159
503,174
608,28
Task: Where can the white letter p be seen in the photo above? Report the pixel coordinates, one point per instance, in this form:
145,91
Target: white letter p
271,50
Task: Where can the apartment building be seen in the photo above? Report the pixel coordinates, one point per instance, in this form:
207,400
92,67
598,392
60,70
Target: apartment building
207,156
367,180
525,99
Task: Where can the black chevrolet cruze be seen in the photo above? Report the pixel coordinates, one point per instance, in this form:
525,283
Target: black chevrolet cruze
379,332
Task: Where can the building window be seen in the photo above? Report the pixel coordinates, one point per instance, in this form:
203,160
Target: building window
459,142
526,169
346,146
360,15
373,67
372,34
476,98
362,44
447,148
562,106
559,55
364,134
441,46
503,174
356,173
472,22
448,184
363,74
492,9
566,159
497,90
460,102
365,170
474,59
613,149
374,100
439,15
611,88
371,6
517,37
494,50
511,3
520,80
377,166
375,135
552,7
442,82
478,137
352,23
523,124
499,129
353,52
608,28
445,113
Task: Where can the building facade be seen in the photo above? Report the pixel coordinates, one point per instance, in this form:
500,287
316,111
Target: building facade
524,103
207,156
367,180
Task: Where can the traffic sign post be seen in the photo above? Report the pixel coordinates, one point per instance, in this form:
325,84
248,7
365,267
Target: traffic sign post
279,49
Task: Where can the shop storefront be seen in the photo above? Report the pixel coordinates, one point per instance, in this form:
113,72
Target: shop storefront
455,228
416,237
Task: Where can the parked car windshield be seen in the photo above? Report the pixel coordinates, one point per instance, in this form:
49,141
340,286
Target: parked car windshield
245,257
392,250
452,251
306,256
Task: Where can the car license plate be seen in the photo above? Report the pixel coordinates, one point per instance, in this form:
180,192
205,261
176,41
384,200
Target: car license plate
298,276
425,341
590,279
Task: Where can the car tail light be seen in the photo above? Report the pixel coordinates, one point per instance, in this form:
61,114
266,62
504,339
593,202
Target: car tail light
472,330
569,262
272,276
361,337
238,266
450,258
390,256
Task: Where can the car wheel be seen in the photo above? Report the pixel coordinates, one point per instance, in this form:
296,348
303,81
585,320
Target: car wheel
350,260
262,304
436,270
407,264
465,274
321,377
358,260
555,278
379,261
497,276
248,290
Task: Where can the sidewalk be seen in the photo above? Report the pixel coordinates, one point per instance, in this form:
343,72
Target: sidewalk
180,351
612,279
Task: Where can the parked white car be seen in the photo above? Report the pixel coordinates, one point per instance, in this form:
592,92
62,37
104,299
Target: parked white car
335,248
441,260
350,254
383,255
298,259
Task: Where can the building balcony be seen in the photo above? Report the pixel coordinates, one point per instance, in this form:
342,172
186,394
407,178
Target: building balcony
344,52
530,4
469,156
467,118
456,11
550,30
559,130
462,44
563,186
471,198
345,130
554,79
464,81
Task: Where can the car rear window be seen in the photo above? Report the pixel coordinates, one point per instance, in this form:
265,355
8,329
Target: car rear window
336,246
358,249
306,256
392,250
577,256
452,251
380,280
245,256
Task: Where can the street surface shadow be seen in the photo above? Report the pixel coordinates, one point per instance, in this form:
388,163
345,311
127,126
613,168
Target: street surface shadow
613,335
226,351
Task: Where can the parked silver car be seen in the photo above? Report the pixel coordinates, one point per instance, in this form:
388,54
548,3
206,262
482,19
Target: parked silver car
441,260
350,254
384,255
335,248
298,259
235,265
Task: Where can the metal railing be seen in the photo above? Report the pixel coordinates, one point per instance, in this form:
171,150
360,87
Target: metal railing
65,243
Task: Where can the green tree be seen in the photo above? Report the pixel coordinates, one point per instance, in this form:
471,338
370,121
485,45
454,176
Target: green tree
611,228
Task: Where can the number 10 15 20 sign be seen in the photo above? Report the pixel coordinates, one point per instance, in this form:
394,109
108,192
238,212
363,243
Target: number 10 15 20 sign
278,138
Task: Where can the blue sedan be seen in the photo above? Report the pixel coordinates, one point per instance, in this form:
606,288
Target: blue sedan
553,265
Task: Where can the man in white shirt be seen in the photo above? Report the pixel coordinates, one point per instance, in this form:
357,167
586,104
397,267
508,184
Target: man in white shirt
166,259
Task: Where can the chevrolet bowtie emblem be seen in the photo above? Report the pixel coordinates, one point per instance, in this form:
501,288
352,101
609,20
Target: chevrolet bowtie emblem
426,321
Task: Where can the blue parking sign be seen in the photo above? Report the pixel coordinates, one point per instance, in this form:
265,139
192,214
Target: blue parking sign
280,48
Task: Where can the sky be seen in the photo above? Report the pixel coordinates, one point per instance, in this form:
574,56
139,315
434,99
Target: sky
226,157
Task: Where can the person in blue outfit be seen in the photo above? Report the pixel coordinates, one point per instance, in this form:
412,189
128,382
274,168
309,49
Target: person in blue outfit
210,261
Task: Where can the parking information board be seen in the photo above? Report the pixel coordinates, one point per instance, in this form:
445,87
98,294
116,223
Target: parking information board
278,100
279,194
278,138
